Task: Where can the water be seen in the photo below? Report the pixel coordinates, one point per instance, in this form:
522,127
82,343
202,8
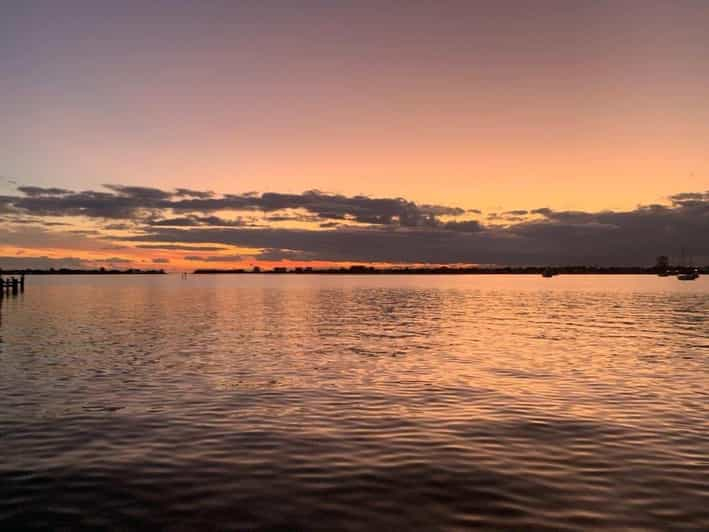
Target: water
355,403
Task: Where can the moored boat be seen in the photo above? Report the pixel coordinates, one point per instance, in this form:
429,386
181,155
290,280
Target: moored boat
689,276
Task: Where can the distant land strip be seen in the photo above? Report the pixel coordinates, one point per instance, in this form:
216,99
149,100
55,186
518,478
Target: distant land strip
71,271
371,270
447,270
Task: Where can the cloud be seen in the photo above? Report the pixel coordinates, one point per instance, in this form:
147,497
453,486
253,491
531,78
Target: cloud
344,244
179,247
468,226
385,211
88,203
194,193
84,232
16,220
37,237
149,204
161,260
292,218
41,263
286,254
562,237
363,229
7,205
145,194
215,258
195,221
118,227
115,260
685,198
39,191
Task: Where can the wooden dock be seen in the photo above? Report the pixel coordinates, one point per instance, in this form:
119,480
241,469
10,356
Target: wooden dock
12,285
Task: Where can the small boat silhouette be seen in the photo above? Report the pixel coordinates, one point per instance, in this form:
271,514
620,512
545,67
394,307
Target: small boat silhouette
687,276
691,276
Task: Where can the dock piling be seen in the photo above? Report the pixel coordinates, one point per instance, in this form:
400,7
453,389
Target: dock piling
13,285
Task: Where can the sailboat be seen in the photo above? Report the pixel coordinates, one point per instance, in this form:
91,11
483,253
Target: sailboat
688,276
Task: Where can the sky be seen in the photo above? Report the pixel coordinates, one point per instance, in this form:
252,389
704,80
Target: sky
340,132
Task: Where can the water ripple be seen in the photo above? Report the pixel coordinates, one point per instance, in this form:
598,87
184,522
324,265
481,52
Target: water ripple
355,404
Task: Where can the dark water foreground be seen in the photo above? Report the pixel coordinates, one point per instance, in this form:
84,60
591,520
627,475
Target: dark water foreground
355,403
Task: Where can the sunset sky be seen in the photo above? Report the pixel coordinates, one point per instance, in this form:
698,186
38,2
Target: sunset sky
241,133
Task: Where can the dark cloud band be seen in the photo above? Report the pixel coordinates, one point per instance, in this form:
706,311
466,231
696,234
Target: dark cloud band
364,229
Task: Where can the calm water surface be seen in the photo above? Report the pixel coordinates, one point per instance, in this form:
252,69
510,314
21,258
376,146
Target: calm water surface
355,403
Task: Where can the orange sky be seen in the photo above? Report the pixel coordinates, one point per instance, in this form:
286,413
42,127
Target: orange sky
491,106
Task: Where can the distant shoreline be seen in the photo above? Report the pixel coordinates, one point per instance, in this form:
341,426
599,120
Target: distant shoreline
64,271
366,270
532,270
